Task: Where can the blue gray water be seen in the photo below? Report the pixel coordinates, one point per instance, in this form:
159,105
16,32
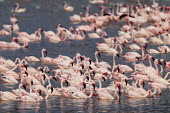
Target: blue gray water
47,14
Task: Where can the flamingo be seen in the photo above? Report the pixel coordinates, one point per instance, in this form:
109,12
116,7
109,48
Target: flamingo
6,96
13,19
167,64
98,1
134,47
15,27
124,68
45,59
36,94
19,10
27,98
102,92
76,17
81,95
157,84
134,94
9,79
17,46
32,59
68,8
101,63
36,36
4,32
8,28
10,63
20,91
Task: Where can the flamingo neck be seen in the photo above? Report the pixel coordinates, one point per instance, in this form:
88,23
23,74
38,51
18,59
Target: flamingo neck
65,4
17,60
49,82
42,54
20,90
46,92
113,63
38,96
61,83
161,71
100,84
167,74
97,61
17,7
83,35
156,66
134,65
87,13
143,54
120,47
15,67
117,9
149,92
140,85
30,86
150,61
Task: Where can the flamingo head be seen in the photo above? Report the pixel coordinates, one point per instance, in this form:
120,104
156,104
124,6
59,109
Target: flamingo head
54,78
44,77
40,69
84,85
24,86
104,78
117,55
101,7
81,58
90,67
39,91
64,3
123,44
142,82
163,61
87,77
81,72
90,61
50,86
14,39
66,82
16,4
144,46
26,45
44,51
137,58
151,57
97,53
94,85
59,26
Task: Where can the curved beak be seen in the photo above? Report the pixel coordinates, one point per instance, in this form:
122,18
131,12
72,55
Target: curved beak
94,86
54,78
66,82
84,85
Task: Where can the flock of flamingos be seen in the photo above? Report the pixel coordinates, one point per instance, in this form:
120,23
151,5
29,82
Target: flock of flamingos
82,78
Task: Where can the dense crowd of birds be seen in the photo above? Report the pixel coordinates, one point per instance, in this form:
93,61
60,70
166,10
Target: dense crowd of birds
80,77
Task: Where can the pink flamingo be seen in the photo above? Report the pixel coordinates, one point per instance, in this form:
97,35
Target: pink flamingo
45,59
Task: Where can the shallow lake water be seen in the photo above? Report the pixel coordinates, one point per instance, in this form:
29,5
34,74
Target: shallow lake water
47,14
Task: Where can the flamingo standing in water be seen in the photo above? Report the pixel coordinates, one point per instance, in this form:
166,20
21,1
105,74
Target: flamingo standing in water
7,96
68,8
18,9
32,59
98,1
45,59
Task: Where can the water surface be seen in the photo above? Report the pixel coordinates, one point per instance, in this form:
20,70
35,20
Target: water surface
47,14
